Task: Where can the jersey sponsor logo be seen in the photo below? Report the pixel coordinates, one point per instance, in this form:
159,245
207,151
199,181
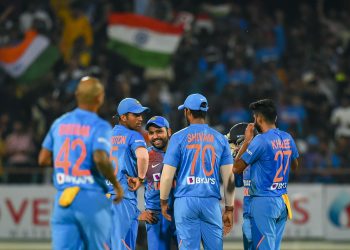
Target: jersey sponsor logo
191,180
155,165
249,152
246,183
156,177
278,185
76,180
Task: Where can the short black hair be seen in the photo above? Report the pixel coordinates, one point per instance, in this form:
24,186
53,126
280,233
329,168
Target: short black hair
265,107
198,113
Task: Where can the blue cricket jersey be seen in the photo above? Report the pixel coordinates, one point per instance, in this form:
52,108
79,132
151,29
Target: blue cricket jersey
154,172
270,155
243,180
197,152
124,144
73,138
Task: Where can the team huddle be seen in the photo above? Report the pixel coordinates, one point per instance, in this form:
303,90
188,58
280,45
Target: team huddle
98,170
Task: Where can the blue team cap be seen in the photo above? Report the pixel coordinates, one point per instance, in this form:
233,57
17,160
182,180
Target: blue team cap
159,121
195,102
130,105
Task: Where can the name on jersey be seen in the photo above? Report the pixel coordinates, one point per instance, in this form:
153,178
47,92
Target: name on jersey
279,144
192,180
119,139
200,137
74,129
278,185
76,180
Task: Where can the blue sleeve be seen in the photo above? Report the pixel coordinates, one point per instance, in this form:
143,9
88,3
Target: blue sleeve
102,137
239,180
136,141
172,154
254,150
226,158
48,141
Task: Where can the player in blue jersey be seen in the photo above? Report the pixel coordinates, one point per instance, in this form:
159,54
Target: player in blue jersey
160,232
198,155
130,159
78,147
270,155
236,138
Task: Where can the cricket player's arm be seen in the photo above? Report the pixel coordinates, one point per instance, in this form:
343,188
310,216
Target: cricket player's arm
228,182
166,181
45,157
239,165
295,164
142,161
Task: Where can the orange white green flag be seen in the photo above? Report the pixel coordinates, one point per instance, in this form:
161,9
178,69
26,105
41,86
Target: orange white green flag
143,41
29,59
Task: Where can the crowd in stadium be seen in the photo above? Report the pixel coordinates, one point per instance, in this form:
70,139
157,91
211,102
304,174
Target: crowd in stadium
233,52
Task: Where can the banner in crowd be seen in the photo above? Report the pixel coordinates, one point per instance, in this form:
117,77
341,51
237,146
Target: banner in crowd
29,59
143,41
319,212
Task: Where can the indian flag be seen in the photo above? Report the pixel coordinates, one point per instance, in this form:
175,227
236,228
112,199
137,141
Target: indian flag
29,59
143,41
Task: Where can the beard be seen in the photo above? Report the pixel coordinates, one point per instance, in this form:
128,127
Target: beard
161,143
258,128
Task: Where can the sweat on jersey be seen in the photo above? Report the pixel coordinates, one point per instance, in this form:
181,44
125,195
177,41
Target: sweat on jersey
197,152
270,155
124,144
153,175
72,139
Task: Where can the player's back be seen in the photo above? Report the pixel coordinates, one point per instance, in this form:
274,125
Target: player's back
270,173
124,143
198,151
73,138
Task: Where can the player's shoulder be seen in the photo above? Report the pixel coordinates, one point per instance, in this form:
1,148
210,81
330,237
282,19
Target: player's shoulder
101,123
181,133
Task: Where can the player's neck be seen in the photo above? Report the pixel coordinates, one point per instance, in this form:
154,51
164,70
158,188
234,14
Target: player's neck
88,107
197,121
267,127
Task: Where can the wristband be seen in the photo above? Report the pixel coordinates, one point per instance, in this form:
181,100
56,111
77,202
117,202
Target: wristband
229,208
142,180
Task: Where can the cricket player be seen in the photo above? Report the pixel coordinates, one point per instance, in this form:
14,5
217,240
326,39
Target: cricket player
236,138
270,155
78,146
129,156
161,232
198,155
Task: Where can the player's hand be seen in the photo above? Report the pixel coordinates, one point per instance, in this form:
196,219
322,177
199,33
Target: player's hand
249,132
165,207
134,183
227,220
148,216
119,192
234,149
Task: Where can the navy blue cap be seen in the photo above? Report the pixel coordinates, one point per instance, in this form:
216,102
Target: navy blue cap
195,102
159,121
130,105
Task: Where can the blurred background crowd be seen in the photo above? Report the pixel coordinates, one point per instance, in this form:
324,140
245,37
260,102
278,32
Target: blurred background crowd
234,52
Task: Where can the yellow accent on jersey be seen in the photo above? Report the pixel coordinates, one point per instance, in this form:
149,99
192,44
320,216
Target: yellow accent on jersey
68,195
289,209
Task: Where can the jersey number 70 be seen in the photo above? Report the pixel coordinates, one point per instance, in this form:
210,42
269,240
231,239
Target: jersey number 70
198,148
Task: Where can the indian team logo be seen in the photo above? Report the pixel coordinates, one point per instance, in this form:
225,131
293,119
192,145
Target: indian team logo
191,180
339,211
141,37
156,177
